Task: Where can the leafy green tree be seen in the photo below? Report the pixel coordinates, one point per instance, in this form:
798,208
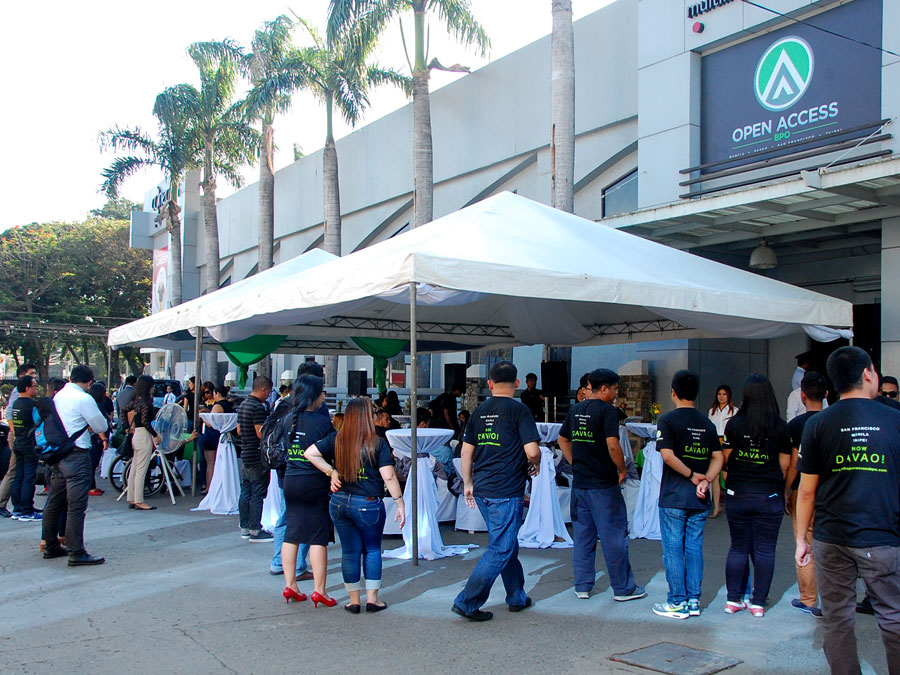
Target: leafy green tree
369,18
116,209
174,150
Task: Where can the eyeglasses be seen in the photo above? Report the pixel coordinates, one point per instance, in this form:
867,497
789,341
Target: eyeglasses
891,394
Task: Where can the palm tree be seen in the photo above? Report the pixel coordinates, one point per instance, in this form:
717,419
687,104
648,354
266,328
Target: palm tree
562,107
172,151
372,16
224,138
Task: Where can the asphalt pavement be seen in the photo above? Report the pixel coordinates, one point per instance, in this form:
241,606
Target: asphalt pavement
182,592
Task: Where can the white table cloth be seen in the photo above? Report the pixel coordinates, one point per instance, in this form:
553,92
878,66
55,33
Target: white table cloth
273,503
467,519
544,526
225,488
431,546
645,524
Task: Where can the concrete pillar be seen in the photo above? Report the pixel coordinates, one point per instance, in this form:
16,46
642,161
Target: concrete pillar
890,296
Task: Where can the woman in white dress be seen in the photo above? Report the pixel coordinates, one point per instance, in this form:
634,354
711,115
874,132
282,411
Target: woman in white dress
721,411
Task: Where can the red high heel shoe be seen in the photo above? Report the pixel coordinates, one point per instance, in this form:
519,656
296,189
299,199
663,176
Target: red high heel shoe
290,594
317,597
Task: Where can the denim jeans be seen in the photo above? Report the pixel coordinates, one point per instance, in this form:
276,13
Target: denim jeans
753,520
501,557
600,514
682,545
278,533
254,486
69,485
444,455
360,524
22,492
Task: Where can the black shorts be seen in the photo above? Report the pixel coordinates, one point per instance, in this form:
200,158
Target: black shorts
306,519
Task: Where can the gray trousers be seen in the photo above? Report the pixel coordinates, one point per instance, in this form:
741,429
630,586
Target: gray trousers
837,568
6,483
69,485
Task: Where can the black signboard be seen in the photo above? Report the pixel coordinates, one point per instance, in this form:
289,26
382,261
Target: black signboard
794,84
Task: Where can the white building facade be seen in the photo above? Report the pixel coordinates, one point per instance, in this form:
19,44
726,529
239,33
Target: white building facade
705,125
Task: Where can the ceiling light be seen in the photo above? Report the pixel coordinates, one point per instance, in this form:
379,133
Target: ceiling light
763,257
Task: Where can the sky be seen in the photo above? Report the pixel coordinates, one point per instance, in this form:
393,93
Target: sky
75,69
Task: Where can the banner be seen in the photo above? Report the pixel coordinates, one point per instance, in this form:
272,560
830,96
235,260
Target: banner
160,293
794,84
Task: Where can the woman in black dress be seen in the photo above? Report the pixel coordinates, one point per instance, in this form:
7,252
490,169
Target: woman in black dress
306,493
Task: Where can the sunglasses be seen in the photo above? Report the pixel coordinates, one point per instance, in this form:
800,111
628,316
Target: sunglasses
891,394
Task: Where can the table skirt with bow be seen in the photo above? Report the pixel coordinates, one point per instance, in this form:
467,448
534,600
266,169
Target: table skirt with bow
225,488
645,524
544,525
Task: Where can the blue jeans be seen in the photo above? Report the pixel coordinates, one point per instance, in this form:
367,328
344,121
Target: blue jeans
753,520
22,492
501,557
360,525
254,486
278,533
600,514
682,544
444,455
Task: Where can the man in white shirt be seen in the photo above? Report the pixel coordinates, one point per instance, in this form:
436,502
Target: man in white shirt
170,395
804,360
71,477
795,406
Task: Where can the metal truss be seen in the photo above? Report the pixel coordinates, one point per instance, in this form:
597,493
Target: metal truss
635,328
423,327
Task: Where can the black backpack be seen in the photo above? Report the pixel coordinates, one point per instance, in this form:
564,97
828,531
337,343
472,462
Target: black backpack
277,434
51,442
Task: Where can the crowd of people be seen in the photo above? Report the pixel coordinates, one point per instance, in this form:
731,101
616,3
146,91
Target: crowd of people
839,468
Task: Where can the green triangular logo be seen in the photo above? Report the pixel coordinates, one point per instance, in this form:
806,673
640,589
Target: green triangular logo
783,73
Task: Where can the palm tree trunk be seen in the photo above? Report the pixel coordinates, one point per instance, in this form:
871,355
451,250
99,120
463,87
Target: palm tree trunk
562,107
173,225
211,222
423,154
266,197
332,197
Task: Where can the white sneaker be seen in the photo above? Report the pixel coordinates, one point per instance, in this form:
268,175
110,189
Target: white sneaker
582,595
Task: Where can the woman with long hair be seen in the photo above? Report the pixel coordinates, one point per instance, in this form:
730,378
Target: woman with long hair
720,412
306,493
216,398
364,466
757,451
141,414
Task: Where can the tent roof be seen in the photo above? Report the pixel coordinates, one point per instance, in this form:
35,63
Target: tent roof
507,271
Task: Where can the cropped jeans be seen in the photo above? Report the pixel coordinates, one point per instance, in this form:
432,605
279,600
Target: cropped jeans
682,545
503,517
753,520
359,522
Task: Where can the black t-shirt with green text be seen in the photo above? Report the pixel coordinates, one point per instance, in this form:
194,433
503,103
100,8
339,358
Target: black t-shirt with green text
499,429
22,424
369,482
588,424
311,428
796,427
854,448
754,464
692,438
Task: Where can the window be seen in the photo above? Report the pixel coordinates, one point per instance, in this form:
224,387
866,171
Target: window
621,196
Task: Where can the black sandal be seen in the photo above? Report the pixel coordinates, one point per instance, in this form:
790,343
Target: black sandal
353,609
372,607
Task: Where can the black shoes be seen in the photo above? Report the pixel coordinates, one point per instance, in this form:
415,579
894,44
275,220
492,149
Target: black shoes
353,609
57,552
82,559
477,615
519,608
372,607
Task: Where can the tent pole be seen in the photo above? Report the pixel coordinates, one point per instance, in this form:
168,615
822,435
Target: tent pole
413,408
198,356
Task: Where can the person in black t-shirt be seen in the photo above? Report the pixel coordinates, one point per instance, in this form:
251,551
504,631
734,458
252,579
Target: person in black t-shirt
252,414
589,439
690,448
22,493
364,467
813,390
849,474
532,397
500,442
757,454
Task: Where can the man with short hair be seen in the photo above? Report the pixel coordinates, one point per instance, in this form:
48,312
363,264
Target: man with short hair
7,481
849,465
692,457
813,389
589,439
888,391
532,397
252,414
71,476
804,361
500,449
124,398
23,448
443,410
170,395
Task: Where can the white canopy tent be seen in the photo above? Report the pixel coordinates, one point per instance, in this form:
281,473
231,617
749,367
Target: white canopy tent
509,271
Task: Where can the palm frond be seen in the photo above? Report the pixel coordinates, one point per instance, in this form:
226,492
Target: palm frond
210,53
457,16
130,140
376,76
120,169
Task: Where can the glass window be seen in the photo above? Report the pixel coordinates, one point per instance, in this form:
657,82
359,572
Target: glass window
621,196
